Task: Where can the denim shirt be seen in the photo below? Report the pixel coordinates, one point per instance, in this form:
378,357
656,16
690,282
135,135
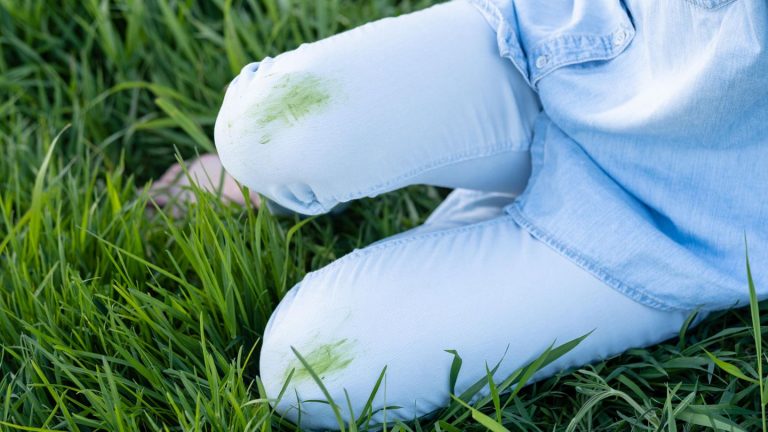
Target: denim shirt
651,153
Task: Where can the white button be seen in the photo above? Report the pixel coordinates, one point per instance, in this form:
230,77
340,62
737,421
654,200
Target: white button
619,37
542,61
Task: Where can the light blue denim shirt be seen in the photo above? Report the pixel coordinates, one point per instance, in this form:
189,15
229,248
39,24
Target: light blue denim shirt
651,155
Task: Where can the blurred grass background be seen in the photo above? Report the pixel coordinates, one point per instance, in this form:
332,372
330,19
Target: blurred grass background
115,319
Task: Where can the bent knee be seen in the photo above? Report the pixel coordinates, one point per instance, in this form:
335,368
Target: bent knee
330,330
306,352
393,305
274,115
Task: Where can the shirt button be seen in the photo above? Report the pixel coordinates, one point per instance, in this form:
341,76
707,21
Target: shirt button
619,37
542,61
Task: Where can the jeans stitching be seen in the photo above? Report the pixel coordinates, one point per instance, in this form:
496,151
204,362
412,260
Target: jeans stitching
508,44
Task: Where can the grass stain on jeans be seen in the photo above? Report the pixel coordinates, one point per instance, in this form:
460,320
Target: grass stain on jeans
324,359
293,97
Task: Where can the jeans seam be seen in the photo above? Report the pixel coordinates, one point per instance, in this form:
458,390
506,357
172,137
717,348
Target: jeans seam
402,241
507,44
439,163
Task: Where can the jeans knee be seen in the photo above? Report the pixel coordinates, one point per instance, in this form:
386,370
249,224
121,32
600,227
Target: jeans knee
303,343
267,131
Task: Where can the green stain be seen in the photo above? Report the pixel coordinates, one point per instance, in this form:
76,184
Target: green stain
324,359
293,97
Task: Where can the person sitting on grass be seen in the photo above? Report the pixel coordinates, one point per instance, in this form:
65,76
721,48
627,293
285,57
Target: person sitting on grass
608,159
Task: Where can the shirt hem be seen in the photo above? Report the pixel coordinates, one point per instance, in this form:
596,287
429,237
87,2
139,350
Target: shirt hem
516,213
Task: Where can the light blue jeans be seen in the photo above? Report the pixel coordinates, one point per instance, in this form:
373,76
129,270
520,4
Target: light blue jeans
419,99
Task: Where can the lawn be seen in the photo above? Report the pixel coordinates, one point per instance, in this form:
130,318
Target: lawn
115,318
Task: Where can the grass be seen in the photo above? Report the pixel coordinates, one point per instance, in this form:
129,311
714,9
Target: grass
113,319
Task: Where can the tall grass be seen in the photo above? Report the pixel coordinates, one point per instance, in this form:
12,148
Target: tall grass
113,318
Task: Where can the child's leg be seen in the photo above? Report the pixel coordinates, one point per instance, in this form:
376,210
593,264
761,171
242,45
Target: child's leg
422,98
483,287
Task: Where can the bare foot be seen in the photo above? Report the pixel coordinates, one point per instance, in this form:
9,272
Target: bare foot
173,188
